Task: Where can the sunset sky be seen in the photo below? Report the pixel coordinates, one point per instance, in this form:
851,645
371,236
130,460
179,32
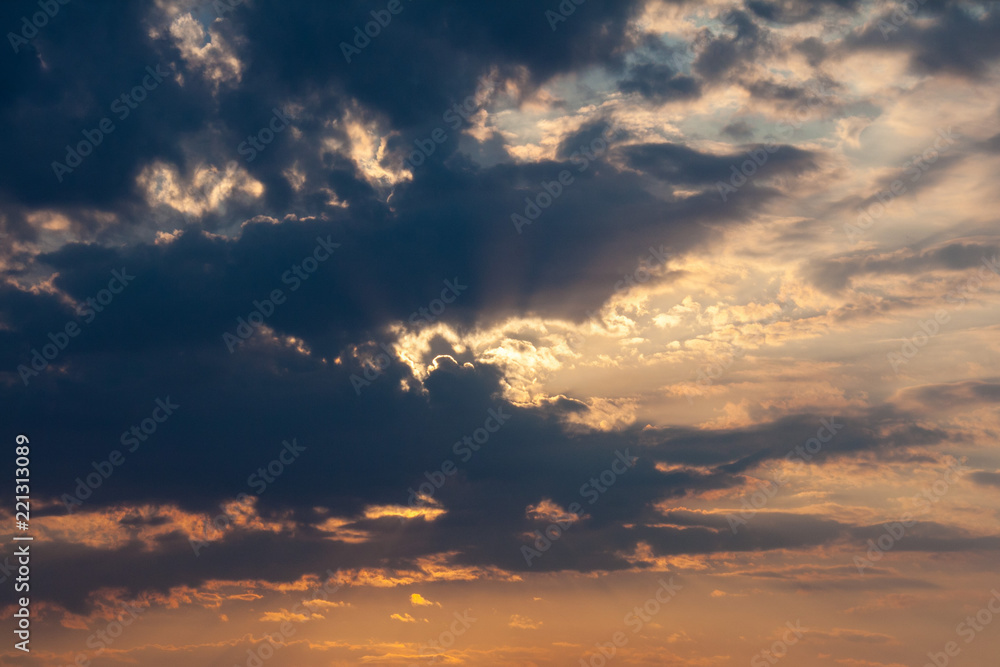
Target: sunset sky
430,332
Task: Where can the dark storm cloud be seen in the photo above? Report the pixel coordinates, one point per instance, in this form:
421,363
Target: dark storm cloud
991,145
659,72
583,546
71,77
452,220
814,50
236,409
768,90
797,11
64,82
724,53
739,130
432,56
449,225
355,455
162,337
958,40
836,274
932,537
676,163
735,451
954,395
455,42
582,138
986,478
712,533
659,83
247,556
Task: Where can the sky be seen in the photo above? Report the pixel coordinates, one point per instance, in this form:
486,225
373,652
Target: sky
419,332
